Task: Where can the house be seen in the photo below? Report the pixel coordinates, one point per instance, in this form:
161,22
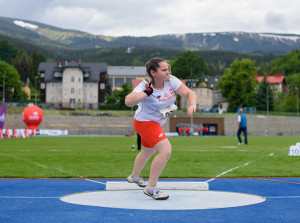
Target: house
209,81
207,94
72,85
277,82
118,75
204,98
218,98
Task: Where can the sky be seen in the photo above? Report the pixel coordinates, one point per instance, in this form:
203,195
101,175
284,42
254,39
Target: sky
153,17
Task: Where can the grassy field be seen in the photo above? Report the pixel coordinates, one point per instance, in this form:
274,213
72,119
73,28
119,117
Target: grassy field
112,157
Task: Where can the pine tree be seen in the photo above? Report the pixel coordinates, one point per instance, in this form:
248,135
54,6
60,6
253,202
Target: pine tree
264,96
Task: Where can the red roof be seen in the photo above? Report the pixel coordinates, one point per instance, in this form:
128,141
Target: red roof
276,79
135,82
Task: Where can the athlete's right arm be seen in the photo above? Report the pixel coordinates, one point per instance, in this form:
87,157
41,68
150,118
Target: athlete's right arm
134,98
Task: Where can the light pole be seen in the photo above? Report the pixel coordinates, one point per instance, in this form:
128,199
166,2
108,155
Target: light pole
35,89
297,100
267,100
3,90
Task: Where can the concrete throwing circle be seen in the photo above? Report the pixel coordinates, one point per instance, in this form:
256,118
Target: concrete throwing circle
178,200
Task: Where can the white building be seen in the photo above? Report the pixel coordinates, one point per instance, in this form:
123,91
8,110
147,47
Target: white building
118,75
73,85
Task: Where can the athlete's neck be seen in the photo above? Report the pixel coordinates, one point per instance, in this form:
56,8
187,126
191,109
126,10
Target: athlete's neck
159,85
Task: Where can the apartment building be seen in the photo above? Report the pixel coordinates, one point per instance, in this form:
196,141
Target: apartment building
72,85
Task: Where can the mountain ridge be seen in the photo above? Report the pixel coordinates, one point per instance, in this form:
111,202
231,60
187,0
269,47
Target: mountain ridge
47,36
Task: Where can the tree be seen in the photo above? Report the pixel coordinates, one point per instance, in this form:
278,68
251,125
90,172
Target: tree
189,66
35,58
13,86
288,64
7,51
118,96
238,83
290,101
265,96
23,64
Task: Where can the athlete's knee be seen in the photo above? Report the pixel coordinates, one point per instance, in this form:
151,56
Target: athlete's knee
166,152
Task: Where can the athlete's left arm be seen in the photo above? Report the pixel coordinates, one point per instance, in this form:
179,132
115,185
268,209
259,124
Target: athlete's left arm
187,93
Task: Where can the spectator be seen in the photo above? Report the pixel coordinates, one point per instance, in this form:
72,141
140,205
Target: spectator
242,127
187,131
206,130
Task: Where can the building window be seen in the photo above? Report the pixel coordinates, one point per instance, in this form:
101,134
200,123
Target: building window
59,97
128,80
102,86
52,84
85,85
84,96
118,82
79,79
59,85
42,85
72,79
72,90
91,85
52,96
91,96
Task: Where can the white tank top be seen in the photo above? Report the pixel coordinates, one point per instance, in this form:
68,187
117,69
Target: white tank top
156,106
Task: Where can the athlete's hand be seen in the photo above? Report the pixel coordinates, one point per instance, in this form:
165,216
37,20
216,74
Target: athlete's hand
191,109
149,90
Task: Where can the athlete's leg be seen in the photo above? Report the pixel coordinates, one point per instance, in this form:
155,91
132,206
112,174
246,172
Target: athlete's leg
140,161
239,135
245,135
159,162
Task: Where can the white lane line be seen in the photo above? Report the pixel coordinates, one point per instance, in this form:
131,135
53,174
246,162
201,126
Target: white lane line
203,150
37,164
228,147
62,171
6,197
95,181
57,150
283,197
227,171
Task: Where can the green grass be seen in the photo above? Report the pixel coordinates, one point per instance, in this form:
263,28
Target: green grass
111,157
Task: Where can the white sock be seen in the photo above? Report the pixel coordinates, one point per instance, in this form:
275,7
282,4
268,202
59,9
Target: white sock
150,189
135,179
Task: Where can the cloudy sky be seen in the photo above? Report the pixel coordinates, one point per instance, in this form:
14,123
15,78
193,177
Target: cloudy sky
155,17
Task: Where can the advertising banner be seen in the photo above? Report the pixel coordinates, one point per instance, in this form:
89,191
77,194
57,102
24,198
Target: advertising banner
2,115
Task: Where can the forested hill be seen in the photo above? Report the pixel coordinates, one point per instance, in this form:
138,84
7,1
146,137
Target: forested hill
46,36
